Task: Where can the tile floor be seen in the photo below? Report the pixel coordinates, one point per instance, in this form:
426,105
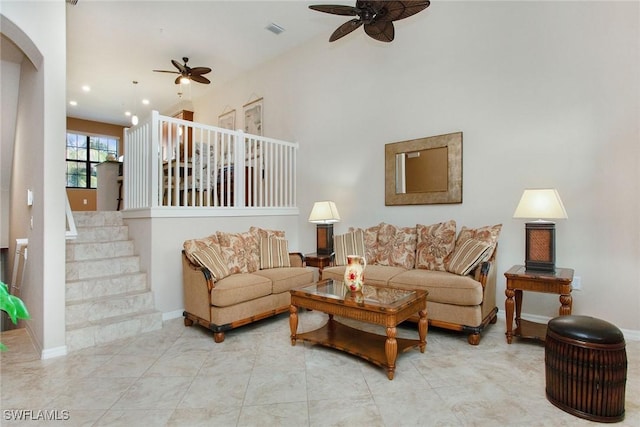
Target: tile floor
178,376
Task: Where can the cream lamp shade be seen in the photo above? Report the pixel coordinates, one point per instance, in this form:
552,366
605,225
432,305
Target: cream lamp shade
541,203
540,235
324,213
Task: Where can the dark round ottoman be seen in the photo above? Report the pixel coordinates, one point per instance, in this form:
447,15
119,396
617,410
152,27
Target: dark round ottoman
586,367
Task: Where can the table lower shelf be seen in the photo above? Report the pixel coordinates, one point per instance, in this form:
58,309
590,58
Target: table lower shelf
531,330
363,344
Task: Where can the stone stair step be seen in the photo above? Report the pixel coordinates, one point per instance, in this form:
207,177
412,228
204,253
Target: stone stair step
80,270
102,234
97,218
80,251
103,308
78,290
91,334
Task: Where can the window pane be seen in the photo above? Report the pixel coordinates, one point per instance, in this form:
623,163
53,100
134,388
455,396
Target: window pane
82,154
94,175
71,140
113,146
94,155
72,153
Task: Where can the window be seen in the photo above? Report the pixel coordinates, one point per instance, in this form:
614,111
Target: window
84,152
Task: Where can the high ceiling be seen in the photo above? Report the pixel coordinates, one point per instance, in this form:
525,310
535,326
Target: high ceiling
112,43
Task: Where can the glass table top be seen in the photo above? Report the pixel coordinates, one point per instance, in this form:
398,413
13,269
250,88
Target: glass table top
370,294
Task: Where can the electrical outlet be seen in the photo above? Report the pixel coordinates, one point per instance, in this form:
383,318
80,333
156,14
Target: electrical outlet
84,201
576,284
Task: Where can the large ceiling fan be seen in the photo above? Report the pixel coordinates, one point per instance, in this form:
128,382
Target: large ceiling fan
377,17
187,72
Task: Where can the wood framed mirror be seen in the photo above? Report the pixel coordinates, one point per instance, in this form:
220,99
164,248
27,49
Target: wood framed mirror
424,171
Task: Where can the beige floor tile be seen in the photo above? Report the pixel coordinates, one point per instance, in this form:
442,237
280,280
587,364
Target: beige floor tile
276,414
179,376
154,393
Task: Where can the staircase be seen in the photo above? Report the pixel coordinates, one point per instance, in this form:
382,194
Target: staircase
107,297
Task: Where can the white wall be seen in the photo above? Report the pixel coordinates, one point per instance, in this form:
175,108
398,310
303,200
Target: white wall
38,29
546,94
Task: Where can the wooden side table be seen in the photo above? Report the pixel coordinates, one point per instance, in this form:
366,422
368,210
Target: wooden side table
518,280
318,261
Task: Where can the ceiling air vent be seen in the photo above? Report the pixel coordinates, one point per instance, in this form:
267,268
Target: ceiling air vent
274,28
72,2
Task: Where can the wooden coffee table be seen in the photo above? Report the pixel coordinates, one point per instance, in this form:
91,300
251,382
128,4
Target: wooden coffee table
375,304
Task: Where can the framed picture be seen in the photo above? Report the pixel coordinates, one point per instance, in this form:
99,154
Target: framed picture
227,120
424,171
253,117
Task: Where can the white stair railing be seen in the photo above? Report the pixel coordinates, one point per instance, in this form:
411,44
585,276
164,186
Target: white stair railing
171,162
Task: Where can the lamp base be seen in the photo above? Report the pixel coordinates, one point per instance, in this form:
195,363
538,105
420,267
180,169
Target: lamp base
540,246
324,239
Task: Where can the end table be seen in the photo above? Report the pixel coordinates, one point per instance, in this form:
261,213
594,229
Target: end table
519,279
318,261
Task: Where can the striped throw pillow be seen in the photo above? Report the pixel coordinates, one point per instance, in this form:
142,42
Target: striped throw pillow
348,244
467,256
211,258
274,253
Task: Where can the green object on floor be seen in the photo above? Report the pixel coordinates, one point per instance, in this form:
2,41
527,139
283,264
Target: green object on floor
13,306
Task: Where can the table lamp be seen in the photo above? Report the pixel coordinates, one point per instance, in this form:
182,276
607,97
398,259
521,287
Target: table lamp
544,204
324,214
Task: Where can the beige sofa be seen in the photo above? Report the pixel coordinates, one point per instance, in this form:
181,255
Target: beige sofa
459,273
232,279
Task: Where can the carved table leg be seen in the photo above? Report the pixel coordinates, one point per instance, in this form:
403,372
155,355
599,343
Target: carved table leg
391,351
422,329
293,323
508,306
518,306
566,301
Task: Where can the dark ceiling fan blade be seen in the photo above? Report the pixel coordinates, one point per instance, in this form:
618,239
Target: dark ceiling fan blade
397,10
200,79
335,9
381,31
166,71
178,79
200,70
179,66
345,29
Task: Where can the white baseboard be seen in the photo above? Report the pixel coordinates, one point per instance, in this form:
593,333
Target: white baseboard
50,353
172,315
629,334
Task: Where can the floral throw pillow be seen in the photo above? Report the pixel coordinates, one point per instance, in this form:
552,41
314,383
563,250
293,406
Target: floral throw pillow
435,245
241,251
370,242
397,246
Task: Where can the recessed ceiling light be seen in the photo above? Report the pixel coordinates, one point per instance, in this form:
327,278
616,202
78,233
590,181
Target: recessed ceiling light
127,113
86,88
73,103
145,101
274,28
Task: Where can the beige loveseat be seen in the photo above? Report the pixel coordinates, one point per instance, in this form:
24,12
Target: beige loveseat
232,279
459,272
